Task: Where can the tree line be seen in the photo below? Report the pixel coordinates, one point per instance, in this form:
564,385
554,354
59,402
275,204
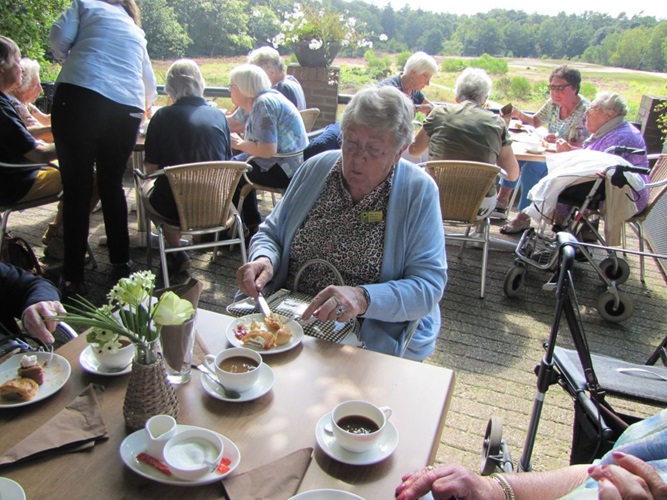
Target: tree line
214,28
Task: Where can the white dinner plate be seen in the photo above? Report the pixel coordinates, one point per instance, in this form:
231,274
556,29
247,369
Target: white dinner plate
297,334
91,365
135,443
56,375
379,452
535,150
10,490
261,387
326,495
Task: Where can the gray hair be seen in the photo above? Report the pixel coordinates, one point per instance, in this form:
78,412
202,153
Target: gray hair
611,101
29,75
250,79
384,109
8,50
267,58
473,84
184,79
421,63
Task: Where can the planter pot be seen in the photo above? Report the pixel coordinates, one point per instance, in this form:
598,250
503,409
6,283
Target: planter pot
319,58
115,360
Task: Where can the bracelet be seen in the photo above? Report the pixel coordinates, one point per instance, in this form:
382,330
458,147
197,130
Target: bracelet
505,485
367,296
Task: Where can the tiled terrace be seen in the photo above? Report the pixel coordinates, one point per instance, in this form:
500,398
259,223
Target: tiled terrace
492,344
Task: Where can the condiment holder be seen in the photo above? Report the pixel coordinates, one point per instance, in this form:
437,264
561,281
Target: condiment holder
159,430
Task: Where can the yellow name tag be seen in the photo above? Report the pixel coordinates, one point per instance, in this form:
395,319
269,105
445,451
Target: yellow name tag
371,216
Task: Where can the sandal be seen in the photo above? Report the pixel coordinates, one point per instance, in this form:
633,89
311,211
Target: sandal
518,225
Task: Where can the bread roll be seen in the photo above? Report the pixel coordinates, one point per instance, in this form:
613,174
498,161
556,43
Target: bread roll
19,389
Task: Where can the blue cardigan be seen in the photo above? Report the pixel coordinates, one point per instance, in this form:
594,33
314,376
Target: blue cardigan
414,265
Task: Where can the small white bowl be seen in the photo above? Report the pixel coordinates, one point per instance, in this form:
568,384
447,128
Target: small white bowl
193,453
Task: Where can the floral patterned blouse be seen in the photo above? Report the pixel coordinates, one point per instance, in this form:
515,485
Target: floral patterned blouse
573,128
349,236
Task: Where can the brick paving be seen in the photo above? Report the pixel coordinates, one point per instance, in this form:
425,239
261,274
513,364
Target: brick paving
492,344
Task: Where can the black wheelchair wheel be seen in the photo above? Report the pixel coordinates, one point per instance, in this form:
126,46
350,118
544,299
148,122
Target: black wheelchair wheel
605,306
491,448
514,280
620,275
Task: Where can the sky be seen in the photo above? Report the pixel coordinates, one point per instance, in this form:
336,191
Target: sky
656,8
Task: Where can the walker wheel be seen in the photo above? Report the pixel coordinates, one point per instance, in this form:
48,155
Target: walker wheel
513,280
619,275
606,309
491,447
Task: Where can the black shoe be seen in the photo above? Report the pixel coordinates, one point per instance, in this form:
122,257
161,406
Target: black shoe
122,270
178,262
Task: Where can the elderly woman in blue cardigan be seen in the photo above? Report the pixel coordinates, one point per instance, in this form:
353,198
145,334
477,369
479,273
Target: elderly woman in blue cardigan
372,215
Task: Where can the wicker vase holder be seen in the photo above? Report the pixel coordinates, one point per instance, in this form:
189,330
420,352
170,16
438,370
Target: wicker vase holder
148,393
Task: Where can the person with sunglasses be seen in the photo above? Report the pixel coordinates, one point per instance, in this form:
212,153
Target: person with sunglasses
564,116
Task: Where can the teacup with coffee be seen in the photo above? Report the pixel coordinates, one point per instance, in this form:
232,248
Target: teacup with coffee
359,425
237,368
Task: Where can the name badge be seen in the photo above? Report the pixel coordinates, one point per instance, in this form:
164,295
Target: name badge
371,216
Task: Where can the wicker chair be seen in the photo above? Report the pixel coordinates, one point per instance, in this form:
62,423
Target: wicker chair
463,185
309,117
6,210
203,194
657,187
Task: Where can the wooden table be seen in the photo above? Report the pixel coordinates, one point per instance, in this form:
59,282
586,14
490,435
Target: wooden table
310,380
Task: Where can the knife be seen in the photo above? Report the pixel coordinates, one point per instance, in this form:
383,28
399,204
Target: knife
263,305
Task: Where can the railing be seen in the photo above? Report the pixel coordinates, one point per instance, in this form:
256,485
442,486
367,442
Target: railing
224,92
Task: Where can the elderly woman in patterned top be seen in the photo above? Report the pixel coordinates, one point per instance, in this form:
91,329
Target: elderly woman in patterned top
372,215
274,126
564,116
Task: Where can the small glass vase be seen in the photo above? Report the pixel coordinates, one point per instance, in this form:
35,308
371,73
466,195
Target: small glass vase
149,393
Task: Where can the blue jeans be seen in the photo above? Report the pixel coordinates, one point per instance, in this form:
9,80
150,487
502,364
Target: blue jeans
531,173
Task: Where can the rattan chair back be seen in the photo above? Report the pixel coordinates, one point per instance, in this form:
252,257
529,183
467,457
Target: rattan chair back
309,116
463,186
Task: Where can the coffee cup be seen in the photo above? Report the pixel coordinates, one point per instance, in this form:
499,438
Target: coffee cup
359,425
159,430
237,368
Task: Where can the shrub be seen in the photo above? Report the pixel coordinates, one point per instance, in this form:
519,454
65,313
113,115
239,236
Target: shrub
453,65
401,59
519,88
377,68
490,64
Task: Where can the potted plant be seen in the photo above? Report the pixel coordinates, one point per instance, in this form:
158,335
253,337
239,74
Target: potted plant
316,35
133,315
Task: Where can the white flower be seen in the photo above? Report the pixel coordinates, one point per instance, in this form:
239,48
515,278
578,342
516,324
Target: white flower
172,310
315,44
383,37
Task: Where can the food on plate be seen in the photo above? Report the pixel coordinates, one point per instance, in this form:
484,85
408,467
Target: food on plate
271,332
223,466
154,462
19,389
30,368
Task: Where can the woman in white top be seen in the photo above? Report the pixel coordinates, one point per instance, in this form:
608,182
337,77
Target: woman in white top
105,85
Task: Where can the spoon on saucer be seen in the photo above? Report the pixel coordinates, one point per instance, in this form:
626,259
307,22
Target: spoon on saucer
229,393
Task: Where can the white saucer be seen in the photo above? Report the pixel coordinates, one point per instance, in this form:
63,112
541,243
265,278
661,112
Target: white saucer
56,375
10,490
261,387
135,443
91,365
381,451
326,495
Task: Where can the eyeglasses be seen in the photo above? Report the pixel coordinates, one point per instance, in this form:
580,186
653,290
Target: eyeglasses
353,148
558,88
